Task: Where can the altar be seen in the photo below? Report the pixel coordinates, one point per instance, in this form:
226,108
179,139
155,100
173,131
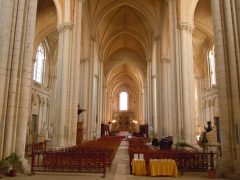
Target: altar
123,120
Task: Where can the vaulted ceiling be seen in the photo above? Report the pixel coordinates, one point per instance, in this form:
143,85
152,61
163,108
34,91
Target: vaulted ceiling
125,30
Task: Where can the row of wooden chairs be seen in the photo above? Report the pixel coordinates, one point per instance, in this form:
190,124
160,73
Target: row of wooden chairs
92,156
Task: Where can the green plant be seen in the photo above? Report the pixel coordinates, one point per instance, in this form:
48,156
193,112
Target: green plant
184,144
13,160
153,134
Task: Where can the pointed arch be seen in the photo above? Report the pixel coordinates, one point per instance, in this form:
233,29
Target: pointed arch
109,8
59,11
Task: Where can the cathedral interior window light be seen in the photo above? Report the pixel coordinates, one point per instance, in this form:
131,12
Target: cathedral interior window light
123,101
38,72
212,67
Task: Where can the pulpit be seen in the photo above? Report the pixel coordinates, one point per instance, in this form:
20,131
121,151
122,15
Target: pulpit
79,133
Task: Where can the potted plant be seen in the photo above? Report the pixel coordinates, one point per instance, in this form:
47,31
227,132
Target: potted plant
153,134
13,160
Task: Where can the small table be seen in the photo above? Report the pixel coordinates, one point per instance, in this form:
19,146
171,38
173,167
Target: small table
139,167
163,167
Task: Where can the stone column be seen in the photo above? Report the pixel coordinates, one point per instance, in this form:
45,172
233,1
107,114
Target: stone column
228,83
64,50
101,99
75,78
106,117
92,89
84,74
7,20
145,118
166,97
26,79
199,109
149,94
188,118
174,71
13,81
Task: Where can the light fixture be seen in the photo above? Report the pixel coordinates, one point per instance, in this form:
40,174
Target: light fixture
114,121
198,137
134,121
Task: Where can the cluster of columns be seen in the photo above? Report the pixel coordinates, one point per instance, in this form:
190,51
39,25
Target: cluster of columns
17,38
226,37
68,79
171,86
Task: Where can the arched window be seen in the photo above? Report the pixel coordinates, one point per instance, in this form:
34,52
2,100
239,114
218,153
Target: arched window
38,72
212,67
123,101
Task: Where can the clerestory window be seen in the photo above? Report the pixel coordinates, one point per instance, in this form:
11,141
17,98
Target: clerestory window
39,64
212,67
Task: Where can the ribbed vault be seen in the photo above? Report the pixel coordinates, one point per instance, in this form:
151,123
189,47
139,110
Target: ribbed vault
124,31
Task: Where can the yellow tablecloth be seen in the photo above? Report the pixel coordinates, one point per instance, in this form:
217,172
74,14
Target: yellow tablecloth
163,167
139,167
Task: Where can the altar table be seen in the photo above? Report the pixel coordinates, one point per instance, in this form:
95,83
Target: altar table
163,167
139,167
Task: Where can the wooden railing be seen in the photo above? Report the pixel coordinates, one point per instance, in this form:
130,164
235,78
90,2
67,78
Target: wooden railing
37,147
186,160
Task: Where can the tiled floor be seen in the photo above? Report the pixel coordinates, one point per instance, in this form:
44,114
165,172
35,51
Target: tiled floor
118,171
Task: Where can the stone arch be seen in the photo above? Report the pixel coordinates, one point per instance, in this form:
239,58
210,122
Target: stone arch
106,10
132,33
120,62
45,32
59,11
187,11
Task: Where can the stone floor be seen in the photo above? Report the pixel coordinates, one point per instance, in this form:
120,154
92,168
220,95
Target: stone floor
118,171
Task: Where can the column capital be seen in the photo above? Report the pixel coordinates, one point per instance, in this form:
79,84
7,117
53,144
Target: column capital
83,60
65,25
165,59
149,59
186,26
94,37
198,76
156,37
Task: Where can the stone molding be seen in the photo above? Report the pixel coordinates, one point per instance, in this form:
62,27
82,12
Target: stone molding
186,26
83,60
64,26
165,59
157,38
148,59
